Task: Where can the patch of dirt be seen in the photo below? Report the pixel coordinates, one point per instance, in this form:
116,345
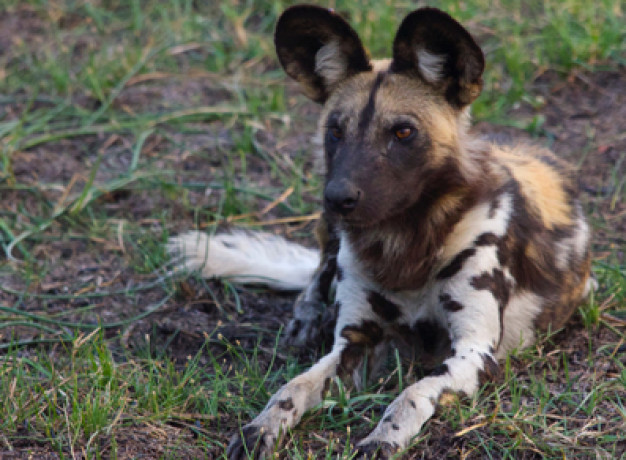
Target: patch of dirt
144,441
164,93
20,26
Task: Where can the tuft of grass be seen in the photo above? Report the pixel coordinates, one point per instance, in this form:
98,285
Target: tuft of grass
89,396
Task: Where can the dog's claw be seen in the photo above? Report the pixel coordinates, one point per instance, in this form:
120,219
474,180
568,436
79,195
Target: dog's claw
378,450
250,443
305,326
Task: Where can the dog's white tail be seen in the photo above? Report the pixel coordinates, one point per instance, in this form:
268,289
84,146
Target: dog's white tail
246,257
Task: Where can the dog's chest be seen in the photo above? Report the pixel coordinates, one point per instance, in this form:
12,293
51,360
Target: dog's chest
470,248
403,308
418,320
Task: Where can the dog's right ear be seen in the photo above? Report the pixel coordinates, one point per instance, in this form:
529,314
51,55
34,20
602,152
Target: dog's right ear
317,48
431,44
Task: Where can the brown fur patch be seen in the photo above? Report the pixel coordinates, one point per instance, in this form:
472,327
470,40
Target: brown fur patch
326,387
383,307
556,313
351,356
487,239
448,398
456,264
490,370
439,370
528,249
426,342
360,338
496,283
286,404
452,305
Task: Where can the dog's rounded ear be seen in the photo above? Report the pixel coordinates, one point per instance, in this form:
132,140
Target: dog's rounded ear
432,44
318,49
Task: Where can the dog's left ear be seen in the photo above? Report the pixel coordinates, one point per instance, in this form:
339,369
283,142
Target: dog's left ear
318,49
432,44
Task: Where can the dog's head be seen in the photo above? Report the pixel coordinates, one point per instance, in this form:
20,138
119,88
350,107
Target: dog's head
392,129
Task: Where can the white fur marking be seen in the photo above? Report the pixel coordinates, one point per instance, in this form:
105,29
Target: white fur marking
330,63
430,65
590,285
577,243
519,315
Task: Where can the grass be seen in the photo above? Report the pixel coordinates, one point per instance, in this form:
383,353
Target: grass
124,122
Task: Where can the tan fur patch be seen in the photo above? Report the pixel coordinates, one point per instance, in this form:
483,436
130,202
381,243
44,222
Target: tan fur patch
356,336
532,252
447,205
380,65
448,398
540,185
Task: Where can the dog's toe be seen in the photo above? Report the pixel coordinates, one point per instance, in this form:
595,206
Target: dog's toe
305,327
376,450
250,443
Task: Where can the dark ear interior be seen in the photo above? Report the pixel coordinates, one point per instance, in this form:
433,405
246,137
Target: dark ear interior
444,54
318,49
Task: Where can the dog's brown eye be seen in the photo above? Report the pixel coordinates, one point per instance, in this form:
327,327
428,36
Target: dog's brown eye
403,133
336,133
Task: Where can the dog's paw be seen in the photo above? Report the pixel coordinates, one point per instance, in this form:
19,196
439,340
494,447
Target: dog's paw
250,443
367,450
305,326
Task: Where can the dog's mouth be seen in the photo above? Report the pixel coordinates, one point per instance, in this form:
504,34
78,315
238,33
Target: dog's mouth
365,215
367,218
356,221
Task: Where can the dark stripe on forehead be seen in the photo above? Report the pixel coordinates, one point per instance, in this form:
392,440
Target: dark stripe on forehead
366,115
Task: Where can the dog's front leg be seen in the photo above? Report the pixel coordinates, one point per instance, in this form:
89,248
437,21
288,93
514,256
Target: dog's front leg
284,410
357,336
474,326
310,313
259,438
405,416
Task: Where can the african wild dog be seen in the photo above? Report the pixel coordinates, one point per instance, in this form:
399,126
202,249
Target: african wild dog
440,243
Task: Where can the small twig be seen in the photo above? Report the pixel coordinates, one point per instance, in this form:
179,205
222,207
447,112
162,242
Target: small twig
464,431
613,319
284,220
6,442
283,196
607,303
120,235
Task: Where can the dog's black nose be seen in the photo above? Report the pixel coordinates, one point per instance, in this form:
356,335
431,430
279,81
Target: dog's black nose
341,196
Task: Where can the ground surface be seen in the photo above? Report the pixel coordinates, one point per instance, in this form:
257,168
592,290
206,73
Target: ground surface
95,209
